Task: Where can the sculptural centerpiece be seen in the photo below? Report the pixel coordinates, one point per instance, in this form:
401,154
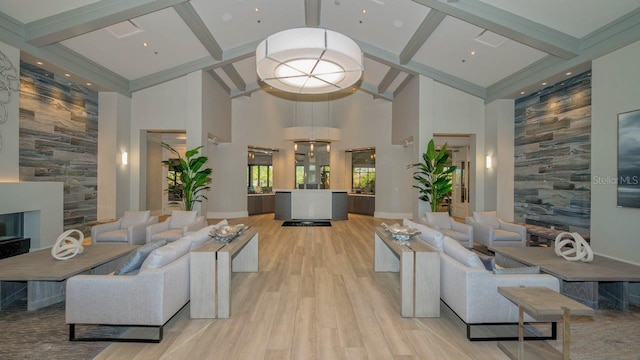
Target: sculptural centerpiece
400,233
227,233
67,246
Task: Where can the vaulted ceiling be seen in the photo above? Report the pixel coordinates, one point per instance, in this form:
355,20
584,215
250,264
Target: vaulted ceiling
489,48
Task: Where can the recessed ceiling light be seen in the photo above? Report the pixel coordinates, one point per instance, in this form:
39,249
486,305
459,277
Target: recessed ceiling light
227,17
88,84
544,83
67,75
521,92
473,52
397,23
568,73
39,62
256,9
364,11
145,44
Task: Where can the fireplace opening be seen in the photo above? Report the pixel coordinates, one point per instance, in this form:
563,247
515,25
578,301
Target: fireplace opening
12,241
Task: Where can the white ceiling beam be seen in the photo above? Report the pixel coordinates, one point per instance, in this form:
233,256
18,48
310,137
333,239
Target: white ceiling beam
12,33
191,18
207,63
373,90
219,80
414,68
424,31
622,32
249,89
63,26
402,85
391,75
509,25
312,13
235,77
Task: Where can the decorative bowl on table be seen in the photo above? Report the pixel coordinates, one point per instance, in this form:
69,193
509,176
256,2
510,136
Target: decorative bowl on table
400,233
227,233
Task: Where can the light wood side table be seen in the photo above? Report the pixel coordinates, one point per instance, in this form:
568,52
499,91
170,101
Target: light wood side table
419,267
539,301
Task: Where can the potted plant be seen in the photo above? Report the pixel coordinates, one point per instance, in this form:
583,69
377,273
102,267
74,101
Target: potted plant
193,178
433,175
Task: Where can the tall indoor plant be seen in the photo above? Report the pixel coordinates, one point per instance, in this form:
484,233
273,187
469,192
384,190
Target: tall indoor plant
193,177
433,175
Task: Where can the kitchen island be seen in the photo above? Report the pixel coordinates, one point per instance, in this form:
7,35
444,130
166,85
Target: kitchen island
311,204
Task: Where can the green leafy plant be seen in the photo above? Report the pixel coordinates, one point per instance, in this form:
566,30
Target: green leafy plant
193,177
433,175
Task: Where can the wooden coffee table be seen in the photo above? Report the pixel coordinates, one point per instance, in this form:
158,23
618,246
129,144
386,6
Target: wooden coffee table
539,301
45,276
586,282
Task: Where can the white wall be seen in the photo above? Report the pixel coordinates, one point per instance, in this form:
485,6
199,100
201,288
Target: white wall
456,112
9,126
114,121
42,203
444,111
615,89
499,140
194,104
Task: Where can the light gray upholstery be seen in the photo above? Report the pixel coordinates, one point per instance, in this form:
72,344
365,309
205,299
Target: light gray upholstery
444,223
150,297
489,235
165,230
129,229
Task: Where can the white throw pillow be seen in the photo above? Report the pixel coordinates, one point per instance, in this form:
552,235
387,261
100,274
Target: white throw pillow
486,217
134,217
461,254
166,254
428,235
439,219
181,218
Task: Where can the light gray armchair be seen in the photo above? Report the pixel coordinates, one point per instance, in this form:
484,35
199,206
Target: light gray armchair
175,226
129,229
444,223
490,231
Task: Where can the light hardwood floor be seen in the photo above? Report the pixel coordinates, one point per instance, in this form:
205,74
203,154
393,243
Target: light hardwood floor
315,297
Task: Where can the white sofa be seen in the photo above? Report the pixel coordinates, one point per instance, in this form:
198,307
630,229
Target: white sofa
147,298
470,290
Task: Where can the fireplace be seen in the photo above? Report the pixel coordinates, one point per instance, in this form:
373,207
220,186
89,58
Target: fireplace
12,241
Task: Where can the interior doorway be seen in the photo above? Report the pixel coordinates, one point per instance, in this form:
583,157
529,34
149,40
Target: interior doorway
159,176
458,147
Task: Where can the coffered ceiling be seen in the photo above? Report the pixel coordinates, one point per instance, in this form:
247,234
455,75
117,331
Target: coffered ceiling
489,48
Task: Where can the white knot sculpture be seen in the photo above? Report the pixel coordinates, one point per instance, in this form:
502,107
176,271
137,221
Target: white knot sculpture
67,246
576,246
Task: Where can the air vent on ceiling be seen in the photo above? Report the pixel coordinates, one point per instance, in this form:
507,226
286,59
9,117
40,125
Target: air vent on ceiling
491,39
124,29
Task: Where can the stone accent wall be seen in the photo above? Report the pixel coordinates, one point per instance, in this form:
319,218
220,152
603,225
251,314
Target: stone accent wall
553,156
59,140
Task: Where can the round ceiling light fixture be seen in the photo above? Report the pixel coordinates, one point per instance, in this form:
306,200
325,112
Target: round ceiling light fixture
309,61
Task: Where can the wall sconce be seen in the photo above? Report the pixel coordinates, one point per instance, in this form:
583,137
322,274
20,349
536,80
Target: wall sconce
124,158
328,147
295,146
489,162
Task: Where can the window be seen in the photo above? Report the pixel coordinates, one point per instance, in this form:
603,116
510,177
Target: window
259,170
363,171
260,175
